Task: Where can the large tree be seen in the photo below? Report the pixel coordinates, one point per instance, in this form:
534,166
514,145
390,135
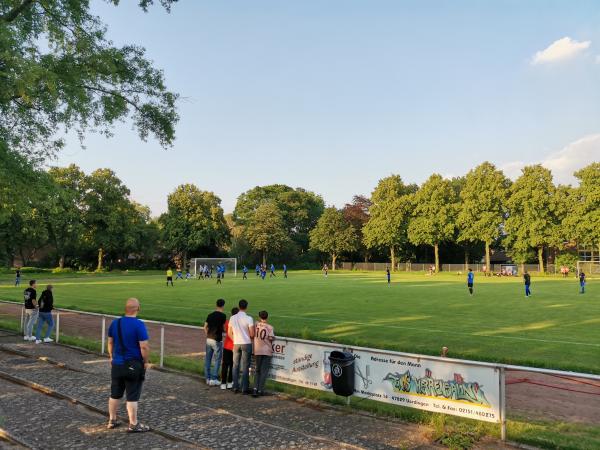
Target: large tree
391,188
533,218
109,214
64,211
299,209
434,214
194,220
482,206
582,222
333,235
58,71
388,224
357,214
266,233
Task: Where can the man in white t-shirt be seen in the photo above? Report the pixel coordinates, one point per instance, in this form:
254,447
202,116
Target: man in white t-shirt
241,331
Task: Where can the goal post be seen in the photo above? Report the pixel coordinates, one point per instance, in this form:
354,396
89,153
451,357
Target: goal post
589,267
229,263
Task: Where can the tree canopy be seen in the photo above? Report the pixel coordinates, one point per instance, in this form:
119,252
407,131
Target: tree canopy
333,235
58,71
433,219
267,233
481,211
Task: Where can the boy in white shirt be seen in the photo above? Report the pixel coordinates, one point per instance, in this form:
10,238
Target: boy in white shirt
241,331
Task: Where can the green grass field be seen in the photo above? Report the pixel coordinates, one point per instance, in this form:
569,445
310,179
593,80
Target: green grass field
556,327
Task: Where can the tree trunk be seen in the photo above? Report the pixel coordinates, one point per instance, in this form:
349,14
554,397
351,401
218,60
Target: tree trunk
264,257
184,260
436,249
333,259
100,259
393,257
522,267
61,262
488,258
541,258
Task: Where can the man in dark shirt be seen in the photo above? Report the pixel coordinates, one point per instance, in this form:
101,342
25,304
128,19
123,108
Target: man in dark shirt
582,282
129,350
46,305
18,277
527,280
31,310
213,327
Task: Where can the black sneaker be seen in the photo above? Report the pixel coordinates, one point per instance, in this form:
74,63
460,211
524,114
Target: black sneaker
138,428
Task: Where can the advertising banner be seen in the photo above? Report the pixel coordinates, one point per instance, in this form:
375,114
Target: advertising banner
415,381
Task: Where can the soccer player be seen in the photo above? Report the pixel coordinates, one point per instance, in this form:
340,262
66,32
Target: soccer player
257,270
188,275
272,271
325,270
470,280
263,271
284,271
582,282
179,274
527,280
388,275
169,276
219,276
18,277
245,272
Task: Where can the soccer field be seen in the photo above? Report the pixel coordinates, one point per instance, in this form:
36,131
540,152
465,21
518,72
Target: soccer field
556,327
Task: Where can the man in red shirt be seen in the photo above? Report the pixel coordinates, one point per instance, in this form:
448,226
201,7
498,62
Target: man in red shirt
227,364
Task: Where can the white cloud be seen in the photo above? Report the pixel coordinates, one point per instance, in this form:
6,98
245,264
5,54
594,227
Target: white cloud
564,162
560,50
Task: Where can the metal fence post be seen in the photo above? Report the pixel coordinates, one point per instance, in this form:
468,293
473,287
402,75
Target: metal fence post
22,318
57,337
502,404
162,344
103,333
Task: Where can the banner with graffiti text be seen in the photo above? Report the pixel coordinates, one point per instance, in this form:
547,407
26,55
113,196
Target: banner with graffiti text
432,384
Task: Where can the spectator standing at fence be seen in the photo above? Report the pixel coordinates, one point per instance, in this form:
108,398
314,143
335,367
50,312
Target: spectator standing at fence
214,328
46,304
227,362
129,350
582,282
18,277
31,309
263,351
241,330
527,281
169,276
470,281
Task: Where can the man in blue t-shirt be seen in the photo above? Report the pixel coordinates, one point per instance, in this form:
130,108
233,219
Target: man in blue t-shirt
245,272
129,351
470,281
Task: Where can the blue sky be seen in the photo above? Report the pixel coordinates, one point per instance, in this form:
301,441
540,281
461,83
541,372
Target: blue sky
334,95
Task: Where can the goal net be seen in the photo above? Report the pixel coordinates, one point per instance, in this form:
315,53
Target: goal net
198,265
589,267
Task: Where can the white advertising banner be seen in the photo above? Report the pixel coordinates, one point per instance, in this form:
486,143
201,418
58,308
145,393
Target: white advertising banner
434,384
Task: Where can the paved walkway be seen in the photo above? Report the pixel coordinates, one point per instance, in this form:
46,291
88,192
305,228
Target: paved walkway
182,410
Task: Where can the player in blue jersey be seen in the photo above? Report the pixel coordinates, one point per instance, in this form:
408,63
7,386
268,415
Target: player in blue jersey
582,282
284,271
470,281
245,272
388,275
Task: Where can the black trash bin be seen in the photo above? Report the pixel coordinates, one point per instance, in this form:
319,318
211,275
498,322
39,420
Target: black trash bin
342,372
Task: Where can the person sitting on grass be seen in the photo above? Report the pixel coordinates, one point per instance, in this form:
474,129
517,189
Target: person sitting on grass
46,303
264,335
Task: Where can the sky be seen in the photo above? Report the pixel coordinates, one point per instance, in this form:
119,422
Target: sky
333,96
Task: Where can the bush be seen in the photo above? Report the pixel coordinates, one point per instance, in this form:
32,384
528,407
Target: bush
31,270
63,270
568,260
